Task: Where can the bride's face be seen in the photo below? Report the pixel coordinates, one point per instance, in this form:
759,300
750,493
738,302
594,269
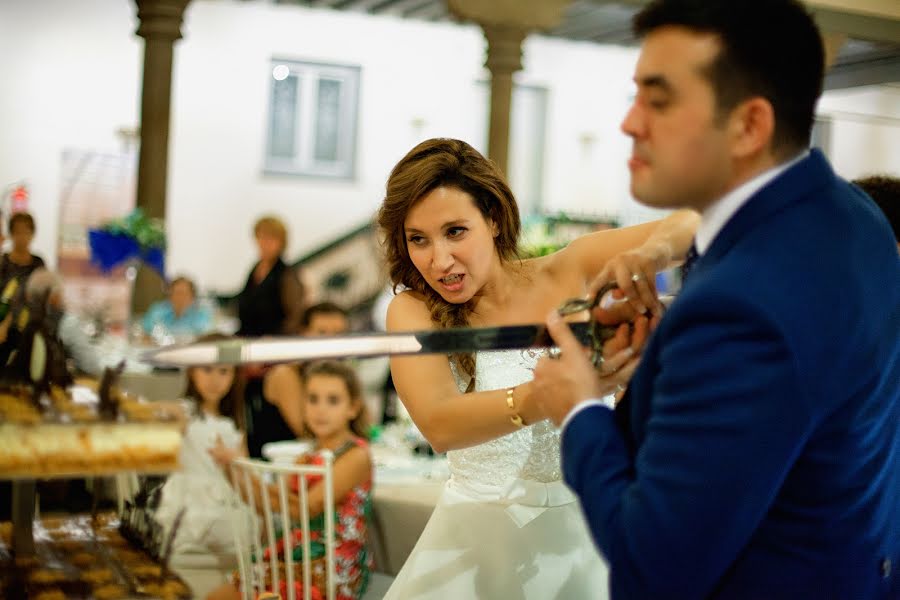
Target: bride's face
451,243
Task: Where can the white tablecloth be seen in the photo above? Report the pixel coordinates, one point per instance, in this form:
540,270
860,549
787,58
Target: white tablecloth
406,490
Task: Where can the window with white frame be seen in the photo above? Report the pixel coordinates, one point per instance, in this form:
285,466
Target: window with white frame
312,119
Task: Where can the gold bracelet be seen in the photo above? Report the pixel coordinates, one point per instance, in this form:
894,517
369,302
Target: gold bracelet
515,418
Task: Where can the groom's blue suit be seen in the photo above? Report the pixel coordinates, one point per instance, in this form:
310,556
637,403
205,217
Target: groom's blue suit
760,457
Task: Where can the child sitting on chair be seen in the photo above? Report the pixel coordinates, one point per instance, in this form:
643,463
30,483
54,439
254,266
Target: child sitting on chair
214,435
335,415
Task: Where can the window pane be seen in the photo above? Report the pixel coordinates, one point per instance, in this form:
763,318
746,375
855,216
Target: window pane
312,119
327,120
283,119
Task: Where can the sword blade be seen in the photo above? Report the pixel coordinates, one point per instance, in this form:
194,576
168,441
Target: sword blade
358,345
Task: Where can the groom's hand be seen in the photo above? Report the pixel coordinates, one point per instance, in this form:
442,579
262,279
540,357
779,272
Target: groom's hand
561,383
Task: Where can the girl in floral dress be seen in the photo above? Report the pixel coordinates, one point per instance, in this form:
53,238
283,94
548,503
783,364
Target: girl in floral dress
335,414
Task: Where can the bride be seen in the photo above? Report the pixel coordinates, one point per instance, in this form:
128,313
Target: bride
505,526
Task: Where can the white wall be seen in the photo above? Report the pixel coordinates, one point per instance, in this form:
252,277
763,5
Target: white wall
221,105
865,136
70,76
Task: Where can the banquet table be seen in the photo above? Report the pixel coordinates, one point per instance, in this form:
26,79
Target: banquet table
401,511
154,385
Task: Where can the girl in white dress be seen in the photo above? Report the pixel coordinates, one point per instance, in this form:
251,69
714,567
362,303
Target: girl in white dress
214,436
506,526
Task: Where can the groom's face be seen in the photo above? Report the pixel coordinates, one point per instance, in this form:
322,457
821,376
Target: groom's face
680,155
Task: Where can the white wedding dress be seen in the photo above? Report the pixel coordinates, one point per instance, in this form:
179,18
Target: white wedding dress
506,526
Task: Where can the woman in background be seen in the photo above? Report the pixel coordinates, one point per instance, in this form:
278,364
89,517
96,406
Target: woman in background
16,266
271,303
273,297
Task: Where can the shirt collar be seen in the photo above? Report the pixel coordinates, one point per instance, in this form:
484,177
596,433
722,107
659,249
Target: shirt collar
721,211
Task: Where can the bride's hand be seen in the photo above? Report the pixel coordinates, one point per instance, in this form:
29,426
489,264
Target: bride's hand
634,271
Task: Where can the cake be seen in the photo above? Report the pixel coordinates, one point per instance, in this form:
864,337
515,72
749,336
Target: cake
88,448
54,434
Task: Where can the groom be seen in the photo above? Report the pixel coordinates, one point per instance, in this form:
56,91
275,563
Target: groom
758,451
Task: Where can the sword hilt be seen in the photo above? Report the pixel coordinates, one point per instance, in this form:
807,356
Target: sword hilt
599,333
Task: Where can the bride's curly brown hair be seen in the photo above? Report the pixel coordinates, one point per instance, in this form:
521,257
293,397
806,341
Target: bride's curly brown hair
443,162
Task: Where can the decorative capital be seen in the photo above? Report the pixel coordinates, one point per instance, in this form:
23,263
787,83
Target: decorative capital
529,15
160,19
504,51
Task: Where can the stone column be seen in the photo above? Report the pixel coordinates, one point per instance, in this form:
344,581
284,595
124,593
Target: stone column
160,26
506,23
832,42
504,57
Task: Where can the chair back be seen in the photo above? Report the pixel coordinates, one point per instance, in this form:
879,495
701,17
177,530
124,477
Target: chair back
249,475
127,485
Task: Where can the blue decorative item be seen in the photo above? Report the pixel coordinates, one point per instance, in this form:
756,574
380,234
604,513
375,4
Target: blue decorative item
133,238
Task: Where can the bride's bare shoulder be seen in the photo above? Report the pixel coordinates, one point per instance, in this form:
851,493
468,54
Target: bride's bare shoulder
552,270
408,311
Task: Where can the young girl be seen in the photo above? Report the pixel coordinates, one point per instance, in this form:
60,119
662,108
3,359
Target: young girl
213,437
335,415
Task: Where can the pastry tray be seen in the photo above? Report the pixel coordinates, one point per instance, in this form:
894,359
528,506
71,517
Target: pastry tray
77,558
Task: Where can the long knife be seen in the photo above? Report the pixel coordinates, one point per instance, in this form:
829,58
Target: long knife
367,345
363,345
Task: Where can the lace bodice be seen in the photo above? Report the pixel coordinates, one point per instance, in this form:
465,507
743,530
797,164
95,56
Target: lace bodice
530,453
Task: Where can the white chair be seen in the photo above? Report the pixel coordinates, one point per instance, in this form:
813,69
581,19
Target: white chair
247,474
287,451
127,485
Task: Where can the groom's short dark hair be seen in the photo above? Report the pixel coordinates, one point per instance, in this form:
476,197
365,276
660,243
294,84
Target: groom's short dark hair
769,48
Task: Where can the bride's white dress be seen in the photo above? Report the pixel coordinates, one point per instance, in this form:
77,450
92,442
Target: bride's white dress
506,526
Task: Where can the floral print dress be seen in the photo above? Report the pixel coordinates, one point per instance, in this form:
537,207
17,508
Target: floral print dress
353,560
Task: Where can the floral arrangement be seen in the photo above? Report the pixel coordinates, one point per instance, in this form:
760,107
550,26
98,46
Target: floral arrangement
545,234
132,237
537,238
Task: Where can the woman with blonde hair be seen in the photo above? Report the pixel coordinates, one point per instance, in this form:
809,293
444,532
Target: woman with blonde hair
271,303
273,297
506,526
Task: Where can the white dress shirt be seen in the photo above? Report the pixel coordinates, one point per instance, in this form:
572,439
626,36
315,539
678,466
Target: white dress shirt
712,221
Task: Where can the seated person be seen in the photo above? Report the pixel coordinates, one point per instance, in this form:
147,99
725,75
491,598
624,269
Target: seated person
276,412
179,314
335,415
213,437
324,318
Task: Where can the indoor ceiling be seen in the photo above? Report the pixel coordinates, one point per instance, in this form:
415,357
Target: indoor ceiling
870,55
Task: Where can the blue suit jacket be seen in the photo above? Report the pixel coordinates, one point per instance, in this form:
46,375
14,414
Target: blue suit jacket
761,455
